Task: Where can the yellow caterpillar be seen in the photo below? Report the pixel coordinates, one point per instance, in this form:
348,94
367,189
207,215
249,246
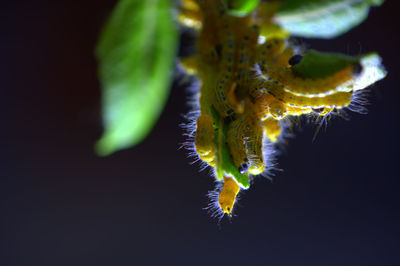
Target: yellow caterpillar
279,91
245,142
275,58
204,141
228,194
313,87
250,88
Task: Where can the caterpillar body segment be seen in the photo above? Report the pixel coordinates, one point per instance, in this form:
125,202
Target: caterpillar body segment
263,16
313,87
222,90
228,194
283,60
204,141
190,64
247,43
208,77
279,91
225,85
267,52
208,52
337,100
272,129
190,18
268,106
190,5
254,146
236,143
190,14
245,142
260,86
298,111
210,159
265,103
210,34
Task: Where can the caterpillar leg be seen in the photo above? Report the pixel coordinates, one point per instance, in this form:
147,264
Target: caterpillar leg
227,197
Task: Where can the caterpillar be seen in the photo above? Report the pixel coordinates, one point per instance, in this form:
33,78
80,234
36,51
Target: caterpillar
275,59
251,88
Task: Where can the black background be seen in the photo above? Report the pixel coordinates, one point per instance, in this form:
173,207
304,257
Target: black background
336,202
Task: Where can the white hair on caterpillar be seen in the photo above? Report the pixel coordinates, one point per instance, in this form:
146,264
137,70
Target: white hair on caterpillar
269,151
213,208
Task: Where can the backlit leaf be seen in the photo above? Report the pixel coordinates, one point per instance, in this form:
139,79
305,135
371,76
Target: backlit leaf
316,64
323,18
136,53
241,7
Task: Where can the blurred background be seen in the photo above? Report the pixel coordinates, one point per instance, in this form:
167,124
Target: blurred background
336,202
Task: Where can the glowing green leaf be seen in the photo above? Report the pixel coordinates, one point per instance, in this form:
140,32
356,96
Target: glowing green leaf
136,53
316,64
323,18
241,7
225,164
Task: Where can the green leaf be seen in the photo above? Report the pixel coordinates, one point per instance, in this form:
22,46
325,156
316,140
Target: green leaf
136,54
225,164
323,18
316,64
241,7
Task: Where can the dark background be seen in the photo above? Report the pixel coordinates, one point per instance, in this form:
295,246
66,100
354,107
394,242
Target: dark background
336,202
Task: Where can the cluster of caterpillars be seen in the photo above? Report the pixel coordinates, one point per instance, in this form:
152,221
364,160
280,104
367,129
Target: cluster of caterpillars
250,85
